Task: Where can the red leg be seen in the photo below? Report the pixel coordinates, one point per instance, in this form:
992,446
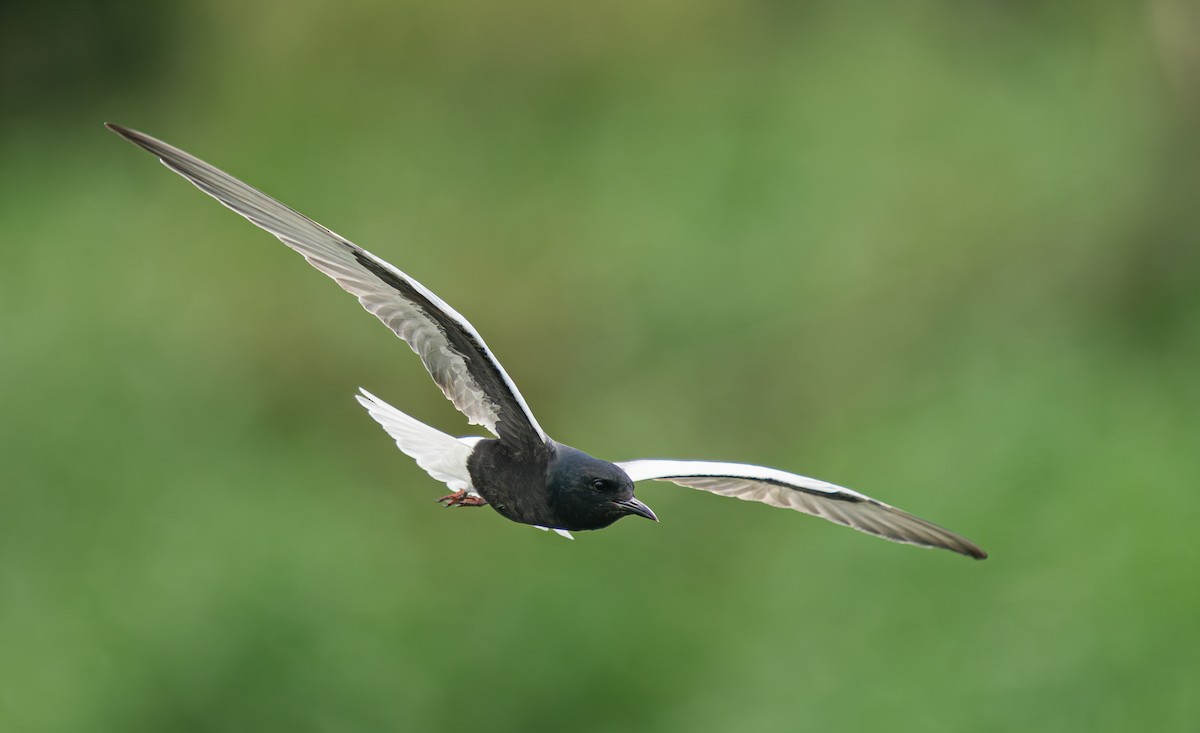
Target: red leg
461,498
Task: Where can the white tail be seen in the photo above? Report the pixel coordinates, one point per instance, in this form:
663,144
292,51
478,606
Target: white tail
443,456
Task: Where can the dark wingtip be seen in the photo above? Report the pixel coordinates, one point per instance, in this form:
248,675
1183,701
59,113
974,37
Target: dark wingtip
132,136
140,139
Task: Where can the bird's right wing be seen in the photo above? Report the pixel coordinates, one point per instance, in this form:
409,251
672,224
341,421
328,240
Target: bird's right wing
449,347
811,496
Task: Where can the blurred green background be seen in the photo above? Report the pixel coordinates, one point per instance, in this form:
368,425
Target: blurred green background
944,253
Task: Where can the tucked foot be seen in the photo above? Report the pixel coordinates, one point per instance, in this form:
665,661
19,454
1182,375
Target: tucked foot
461,498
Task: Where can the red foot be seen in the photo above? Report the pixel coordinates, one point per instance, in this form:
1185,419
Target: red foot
461,498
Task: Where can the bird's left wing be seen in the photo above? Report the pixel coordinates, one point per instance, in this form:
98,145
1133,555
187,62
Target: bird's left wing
449,347
789,491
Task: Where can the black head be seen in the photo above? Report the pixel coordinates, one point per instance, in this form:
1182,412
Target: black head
588,493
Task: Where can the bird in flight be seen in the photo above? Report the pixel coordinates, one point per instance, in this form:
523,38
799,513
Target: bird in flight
522,473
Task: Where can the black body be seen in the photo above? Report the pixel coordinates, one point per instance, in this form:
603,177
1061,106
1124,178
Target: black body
554,486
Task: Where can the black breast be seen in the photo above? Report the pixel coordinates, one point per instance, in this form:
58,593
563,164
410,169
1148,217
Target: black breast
514,483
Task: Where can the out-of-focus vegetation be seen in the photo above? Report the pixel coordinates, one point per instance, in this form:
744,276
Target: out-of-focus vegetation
944,253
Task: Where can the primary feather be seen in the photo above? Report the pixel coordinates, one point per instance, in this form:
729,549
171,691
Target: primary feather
448,345
812,496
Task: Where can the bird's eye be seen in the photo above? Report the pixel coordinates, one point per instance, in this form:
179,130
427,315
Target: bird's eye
600,484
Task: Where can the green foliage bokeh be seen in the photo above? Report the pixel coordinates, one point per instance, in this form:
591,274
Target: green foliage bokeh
946,254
